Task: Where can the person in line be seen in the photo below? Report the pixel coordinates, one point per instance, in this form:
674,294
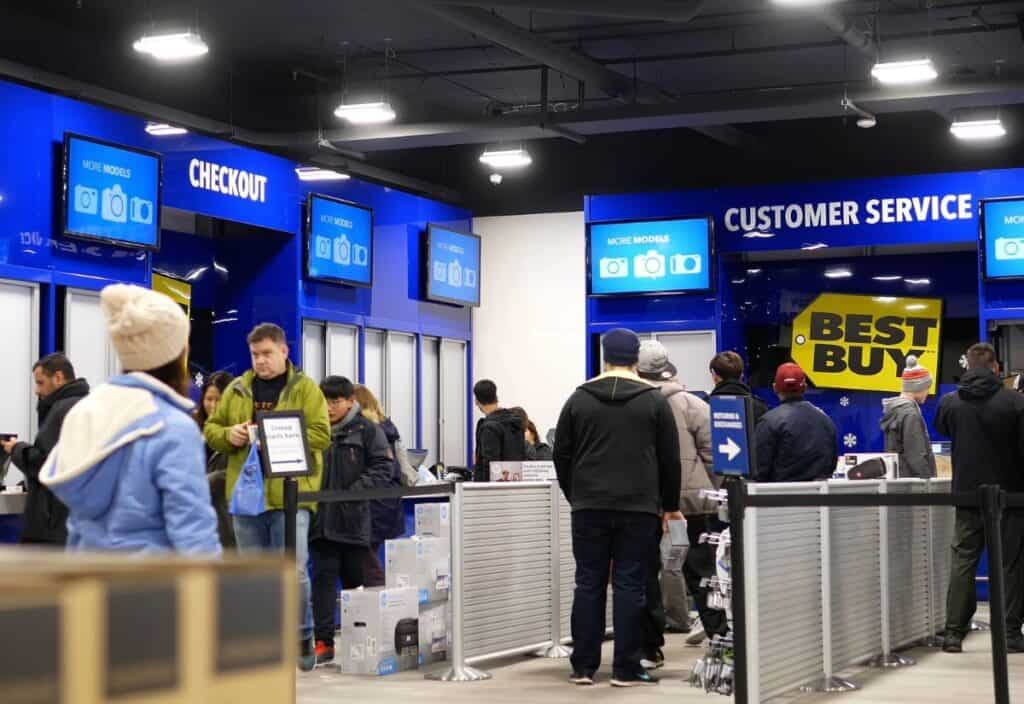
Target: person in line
58,391
796,441
357,459
685,571
536,449
387,517
903,424
273,383
129,462
499,434
727,374
985,421
617,459
216,462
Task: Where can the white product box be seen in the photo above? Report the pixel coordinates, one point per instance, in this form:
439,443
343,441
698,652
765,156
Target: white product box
421,563
433,520
379,631
852,459
435,632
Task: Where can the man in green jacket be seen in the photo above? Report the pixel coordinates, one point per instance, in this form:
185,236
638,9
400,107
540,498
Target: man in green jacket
273,384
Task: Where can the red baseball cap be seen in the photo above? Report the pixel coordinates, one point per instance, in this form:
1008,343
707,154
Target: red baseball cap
790,378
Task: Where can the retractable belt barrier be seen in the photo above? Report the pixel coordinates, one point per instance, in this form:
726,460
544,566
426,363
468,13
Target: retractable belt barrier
817,591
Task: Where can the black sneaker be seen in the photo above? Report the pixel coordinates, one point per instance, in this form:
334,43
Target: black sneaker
1015,644
952,644
582,679
307,655
642,679
653,661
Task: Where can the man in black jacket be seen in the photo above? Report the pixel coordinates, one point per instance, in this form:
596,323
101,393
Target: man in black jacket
796,441
500,435
986,424
617,458
58,390
727,373
339,540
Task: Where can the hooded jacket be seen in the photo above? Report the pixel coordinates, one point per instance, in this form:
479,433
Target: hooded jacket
300,393
387,518
500,437
907,435
617,447
45,516
734,387
985,421
130,467
796,442
693,422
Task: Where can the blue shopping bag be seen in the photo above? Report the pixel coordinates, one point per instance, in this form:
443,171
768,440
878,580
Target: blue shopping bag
247,498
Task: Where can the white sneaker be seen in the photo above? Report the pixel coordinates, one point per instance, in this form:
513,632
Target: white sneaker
697,637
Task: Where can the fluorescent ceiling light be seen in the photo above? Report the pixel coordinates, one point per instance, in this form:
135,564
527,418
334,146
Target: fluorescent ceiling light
758,235
366,113
812,247
315,173
978,129
838,274
506,158
901,73
887,278
172,47
918,282
162,129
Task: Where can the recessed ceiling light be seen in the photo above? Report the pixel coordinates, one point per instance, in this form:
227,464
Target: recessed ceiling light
506,158
315,173
814,246
181,46
918,282
887,278
978,129
366,113
896,73
162,129
838,274
753,272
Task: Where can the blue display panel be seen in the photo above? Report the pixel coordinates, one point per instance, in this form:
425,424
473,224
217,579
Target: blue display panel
111,193
659,256
453,260
339,244
1002,235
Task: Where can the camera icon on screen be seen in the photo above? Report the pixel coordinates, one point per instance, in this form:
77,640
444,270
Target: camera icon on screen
141,211
440,272
1009,248
455,274
613,268
360,255
342,251
649,266
469,278
681,264
87,200
114,205
323,247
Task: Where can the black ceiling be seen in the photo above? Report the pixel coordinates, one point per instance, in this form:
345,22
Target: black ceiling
763,84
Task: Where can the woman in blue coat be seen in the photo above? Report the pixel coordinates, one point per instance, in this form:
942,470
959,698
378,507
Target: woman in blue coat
130,463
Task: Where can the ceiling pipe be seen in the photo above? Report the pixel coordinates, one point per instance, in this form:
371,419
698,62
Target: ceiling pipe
657,10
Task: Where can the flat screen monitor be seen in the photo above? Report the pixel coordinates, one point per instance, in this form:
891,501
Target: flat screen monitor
453,266
650,256
1002,238
111,193
339,241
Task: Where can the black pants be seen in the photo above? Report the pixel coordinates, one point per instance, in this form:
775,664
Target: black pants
332,561
699,565
654,620
968,544
599,539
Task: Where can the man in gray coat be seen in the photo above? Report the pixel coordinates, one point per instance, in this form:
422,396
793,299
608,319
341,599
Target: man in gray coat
905,431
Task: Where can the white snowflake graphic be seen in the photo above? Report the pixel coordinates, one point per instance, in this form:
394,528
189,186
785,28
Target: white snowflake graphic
199,378
844,401
850,440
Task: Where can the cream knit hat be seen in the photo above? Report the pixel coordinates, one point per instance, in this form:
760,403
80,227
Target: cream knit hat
147,328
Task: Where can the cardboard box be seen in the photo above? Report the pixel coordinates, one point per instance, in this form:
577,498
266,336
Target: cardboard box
379,631
433,520
435,632
421,563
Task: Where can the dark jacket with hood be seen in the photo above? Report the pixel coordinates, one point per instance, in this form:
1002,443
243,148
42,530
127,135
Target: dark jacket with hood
387,519
541,452
907,435
357,459
499,438
45,516
986,424
730,387
617,447
796,442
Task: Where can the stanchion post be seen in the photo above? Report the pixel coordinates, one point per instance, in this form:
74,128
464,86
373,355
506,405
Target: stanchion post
992,501
291,512
737,492
556,650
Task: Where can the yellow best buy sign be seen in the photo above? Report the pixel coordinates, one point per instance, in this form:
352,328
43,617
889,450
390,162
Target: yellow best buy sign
862,342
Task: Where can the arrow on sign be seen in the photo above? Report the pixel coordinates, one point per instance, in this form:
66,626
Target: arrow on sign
730,449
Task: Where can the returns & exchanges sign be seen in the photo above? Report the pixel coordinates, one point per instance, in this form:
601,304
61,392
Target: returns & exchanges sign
862,342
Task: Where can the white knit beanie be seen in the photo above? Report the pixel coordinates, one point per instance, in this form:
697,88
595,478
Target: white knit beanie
147,328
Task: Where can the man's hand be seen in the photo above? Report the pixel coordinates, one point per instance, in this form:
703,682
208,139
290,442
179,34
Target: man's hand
670,516
239,436
8,445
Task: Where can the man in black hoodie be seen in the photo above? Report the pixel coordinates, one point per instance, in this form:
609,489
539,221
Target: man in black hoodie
617,458
58,390
986,424
727,373
499,434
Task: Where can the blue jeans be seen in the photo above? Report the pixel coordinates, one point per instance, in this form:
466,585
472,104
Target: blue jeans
599,540
265,532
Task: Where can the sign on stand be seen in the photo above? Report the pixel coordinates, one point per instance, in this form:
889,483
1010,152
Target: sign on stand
284,451
732,435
